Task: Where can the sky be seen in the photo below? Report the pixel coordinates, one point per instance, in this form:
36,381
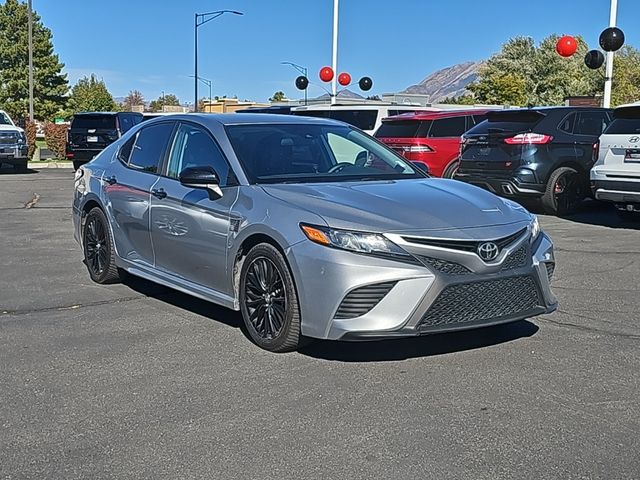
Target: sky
148,45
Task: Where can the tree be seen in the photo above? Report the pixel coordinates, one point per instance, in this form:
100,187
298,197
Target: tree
169,99
49,83
90,95
460,100
279,96
134,98
626,76
525,74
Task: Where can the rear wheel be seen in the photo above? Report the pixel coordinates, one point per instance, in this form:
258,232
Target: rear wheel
564,193
268,300
450,171
99,254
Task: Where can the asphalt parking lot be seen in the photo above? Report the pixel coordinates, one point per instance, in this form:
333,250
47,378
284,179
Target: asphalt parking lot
138,381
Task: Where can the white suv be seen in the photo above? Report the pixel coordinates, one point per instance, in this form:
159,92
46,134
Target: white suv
616,175
13,143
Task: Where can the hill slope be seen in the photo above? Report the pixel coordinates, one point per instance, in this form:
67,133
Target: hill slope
447,82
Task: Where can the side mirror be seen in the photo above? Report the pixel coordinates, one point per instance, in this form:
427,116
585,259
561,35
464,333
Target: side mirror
202,177
423,167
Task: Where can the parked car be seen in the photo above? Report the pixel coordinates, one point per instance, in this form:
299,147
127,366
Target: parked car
151,115
432,138
366,117
255,212
91,132
616,175
13,144
535,153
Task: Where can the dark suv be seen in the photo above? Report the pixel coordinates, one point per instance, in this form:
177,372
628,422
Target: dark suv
91,132
540,153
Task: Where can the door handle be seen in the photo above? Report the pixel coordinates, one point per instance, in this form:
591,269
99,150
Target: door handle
159,193
111,180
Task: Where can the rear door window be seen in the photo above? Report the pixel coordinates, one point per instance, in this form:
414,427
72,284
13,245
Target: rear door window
568,123
94,122
591,123
448,127
149,147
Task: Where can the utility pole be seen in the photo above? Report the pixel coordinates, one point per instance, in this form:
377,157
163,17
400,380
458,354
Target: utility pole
30,14
609,67
334,63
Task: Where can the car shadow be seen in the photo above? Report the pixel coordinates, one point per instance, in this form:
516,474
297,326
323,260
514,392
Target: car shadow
13,171
414,347
369,351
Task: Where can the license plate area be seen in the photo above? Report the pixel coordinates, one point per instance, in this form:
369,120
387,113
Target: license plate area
92,139
632,155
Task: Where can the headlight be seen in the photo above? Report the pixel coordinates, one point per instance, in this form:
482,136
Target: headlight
22,138
359,242
535,228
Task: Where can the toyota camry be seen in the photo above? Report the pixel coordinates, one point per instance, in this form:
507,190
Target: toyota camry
308,227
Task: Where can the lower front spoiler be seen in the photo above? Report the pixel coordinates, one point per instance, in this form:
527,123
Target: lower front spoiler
418,332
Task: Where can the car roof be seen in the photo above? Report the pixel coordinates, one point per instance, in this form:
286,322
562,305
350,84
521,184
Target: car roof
356,106
418,115
248,119
103,113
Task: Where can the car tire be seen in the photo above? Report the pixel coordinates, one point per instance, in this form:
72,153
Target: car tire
564,192
450,171
268,300
97,245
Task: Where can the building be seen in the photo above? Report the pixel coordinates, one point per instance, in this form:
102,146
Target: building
229,105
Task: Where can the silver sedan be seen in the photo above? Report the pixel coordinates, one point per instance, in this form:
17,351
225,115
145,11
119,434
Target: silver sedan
308,227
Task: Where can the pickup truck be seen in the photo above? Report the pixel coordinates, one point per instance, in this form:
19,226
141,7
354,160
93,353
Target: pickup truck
13,143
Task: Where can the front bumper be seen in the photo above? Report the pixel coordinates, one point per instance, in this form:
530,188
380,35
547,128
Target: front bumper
14,153
409,300
503,185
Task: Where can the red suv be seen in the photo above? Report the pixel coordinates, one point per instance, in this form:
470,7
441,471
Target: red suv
430,137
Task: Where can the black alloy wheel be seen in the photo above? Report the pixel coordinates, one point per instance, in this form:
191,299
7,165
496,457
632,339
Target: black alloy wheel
98,248
564,193
268,300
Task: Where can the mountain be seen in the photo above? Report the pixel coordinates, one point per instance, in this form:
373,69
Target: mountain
447,82
341,94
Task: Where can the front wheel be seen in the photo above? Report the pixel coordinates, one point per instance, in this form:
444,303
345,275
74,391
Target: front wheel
268,300
564,192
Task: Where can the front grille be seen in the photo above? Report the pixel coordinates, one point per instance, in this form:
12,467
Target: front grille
464,245
444,266
550,266
362,300
516,259
482,301
8,139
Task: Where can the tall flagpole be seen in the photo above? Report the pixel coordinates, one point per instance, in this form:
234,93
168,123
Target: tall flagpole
334,63
609,68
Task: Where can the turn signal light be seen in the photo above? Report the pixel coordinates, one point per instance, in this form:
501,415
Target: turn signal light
315,235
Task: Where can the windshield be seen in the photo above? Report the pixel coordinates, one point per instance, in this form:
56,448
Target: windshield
4,120
298,153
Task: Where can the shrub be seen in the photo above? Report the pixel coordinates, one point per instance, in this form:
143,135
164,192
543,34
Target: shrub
30,133
56,138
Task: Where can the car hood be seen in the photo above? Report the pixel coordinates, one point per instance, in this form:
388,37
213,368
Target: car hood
10,128
402,206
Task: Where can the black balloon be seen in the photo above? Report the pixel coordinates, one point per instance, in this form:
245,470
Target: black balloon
302,82
365,83
594,59
611,39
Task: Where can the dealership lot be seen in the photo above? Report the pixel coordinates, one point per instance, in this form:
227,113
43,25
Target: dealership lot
138,381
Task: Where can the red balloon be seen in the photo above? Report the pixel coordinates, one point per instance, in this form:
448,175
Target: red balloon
344,79
566,46
326,74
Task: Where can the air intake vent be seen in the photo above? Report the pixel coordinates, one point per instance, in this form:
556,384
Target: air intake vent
444,266
362,300
550,266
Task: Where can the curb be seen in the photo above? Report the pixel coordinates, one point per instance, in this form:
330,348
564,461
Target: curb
39,165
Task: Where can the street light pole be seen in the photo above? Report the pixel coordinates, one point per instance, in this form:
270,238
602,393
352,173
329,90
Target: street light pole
201,19
208,83
30,14
302,70
608,82
334,63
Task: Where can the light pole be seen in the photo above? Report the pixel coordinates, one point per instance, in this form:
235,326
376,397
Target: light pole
201,19
608,81
303,71
30,21
208,83
334,63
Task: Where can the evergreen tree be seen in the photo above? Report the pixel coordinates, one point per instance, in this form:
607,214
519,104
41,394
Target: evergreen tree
91,95
50,84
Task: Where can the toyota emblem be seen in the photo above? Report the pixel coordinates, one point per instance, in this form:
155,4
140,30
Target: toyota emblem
488,251
634,139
